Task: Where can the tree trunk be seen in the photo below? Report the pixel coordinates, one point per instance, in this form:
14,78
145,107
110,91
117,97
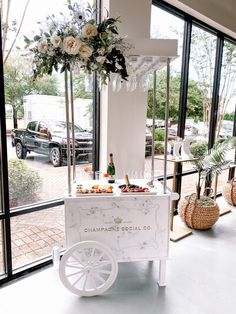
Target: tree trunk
198,187
15,122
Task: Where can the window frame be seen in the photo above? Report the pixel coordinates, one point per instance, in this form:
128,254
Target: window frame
191,21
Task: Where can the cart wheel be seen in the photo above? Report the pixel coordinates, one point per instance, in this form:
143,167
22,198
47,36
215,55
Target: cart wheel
88,268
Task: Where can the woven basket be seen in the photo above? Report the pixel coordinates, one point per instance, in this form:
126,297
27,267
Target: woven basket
196,216
229,192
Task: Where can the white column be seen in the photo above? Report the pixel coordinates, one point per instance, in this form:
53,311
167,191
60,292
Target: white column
123,114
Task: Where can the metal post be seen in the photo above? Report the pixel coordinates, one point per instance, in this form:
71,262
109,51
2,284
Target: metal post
68,132
153,124
166,124
72,126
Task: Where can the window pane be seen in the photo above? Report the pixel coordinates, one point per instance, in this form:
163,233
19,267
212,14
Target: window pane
35,120
227,97
35,234
200,86
162,28
188,184
1,250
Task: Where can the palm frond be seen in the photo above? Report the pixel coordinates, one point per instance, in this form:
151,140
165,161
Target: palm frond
214,162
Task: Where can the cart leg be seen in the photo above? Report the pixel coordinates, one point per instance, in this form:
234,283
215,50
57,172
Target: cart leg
162,273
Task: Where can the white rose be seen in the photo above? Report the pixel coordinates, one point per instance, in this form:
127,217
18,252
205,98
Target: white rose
56,41
109,49
93,66
100,59
85,51
119,67
51,52
89,30
71,45
43,46
101,51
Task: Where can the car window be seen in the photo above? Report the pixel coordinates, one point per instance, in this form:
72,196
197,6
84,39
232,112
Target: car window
42,125
32,125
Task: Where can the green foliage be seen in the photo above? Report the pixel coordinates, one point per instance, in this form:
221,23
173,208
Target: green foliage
159,135
212,163
229,116
63,42
24,183
19,83
195,106
79,87
47,85
198,149
159,147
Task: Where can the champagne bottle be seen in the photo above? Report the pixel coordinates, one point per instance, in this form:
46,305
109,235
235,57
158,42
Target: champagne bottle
111,170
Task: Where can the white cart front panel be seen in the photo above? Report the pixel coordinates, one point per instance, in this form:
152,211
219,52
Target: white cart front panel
133,227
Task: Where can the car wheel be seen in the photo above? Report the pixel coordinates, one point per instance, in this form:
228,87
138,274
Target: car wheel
21,152
55,156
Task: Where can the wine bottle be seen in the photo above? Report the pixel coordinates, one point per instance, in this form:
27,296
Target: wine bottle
111,170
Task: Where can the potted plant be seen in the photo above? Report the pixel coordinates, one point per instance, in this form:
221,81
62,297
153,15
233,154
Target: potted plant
201,211
229,190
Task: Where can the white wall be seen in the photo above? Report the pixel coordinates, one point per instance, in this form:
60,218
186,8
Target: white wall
123,114
45,107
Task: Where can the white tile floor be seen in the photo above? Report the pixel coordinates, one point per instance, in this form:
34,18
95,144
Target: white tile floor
201,275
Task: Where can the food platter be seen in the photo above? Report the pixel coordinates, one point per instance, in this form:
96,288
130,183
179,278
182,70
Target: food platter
95,190
138,190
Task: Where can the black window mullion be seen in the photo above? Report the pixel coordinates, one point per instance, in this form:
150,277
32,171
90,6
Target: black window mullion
216,91
183,98
96,107
184,78
232,170
4,171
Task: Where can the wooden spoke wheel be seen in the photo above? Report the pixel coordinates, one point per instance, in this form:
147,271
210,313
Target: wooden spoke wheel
88,268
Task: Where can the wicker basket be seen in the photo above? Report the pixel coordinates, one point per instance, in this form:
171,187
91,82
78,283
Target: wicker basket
196,216
229,192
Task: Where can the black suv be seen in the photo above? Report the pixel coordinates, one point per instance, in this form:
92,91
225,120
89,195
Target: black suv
49,138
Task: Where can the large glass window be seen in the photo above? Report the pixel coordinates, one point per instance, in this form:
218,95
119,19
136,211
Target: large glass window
36,130
162,28
200,85
227,99
199,97
36,134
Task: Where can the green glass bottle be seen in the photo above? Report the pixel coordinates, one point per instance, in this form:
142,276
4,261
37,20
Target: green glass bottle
111,171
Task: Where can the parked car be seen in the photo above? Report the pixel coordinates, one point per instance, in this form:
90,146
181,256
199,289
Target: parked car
226,130
148,144
49,138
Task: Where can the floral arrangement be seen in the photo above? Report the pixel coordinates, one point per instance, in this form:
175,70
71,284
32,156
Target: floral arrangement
77,40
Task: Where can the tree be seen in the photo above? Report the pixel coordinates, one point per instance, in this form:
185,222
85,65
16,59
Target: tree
19,83
194,98
10,27
203,51
79,87
229,116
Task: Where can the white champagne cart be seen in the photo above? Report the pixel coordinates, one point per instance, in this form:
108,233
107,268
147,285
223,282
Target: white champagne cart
104,230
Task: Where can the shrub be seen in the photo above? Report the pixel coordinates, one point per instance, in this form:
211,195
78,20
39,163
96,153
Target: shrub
24,182
198,149
159,135
159,147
